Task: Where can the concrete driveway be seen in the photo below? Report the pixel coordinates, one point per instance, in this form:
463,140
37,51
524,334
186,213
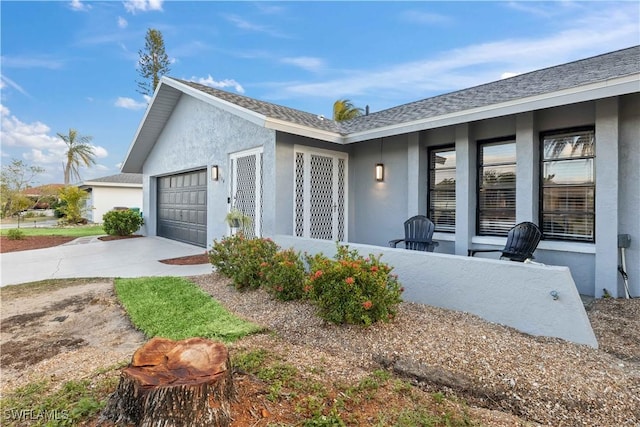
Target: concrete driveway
90,257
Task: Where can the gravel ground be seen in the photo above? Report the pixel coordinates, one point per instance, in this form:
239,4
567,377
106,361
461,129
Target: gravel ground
542,380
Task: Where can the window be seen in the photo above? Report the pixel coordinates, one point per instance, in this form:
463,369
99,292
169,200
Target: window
568,185
442,188
496,186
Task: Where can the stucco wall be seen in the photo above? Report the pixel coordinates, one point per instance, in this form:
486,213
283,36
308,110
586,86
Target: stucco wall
197,136
629,191
284,176
513,294
379,209
104,199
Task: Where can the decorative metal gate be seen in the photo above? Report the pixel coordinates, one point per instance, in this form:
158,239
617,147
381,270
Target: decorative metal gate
246,188
320,209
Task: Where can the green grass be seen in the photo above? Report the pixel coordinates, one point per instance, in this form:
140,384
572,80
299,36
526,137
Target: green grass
79,231
39,404
175,308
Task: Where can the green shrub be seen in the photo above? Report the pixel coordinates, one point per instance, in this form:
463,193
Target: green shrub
240,259
284,275
15,234
121,222
352,289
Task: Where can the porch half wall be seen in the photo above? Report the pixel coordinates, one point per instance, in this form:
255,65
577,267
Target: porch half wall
509,293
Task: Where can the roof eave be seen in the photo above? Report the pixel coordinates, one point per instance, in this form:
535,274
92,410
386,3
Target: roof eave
608,88
140,149
132,161
109,184
301,130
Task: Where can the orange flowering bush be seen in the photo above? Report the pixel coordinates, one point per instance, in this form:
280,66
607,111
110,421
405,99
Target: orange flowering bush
240,259
283,276
352,289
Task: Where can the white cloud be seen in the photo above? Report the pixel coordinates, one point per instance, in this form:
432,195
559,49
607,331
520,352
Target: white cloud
31,62
305,62
421,17
542,9
597,31
79,6
508,74
122,23
16,133
243,24
99,151
130,103
133,6
40,148
6,81
209,81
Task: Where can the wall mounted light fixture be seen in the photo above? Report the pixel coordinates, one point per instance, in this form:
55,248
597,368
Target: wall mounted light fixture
379,172
380,166
215,173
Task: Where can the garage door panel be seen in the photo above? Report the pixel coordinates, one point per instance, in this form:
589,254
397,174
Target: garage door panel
182,207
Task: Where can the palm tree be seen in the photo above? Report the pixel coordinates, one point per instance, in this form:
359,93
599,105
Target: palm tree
79,151
343,109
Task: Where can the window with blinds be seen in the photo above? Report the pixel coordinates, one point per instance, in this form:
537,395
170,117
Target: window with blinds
568,185
496,187
442,188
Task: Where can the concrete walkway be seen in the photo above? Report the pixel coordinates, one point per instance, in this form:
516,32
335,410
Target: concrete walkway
90,257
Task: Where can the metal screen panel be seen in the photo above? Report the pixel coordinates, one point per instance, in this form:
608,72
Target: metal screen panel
299,202
245,190
341,184
321,197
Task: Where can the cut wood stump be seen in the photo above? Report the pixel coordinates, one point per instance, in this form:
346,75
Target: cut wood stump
174,383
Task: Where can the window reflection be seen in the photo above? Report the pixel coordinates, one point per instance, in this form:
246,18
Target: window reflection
568,185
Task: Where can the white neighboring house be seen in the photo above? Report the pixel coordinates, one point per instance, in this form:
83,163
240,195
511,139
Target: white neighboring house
123,190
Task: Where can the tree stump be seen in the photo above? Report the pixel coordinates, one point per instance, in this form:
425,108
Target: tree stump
174,383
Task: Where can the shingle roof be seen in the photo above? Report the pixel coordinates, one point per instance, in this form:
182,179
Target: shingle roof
591,70
566,76
121,178
610,74
268,109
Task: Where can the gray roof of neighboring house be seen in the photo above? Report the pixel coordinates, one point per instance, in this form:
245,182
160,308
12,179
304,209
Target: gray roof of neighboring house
578,73
121,178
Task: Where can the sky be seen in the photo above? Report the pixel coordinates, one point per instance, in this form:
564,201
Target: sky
73,64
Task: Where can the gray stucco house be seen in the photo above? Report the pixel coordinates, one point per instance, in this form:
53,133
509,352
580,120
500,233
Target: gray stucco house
559,147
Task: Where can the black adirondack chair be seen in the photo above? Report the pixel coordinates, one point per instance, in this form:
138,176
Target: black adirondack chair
522,241
418,234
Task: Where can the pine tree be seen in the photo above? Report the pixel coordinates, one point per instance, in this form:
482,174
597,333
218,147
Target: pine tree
154,62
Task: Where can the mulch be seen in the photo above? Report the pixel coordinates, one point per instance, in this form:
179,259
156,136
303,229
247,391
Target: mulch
109,238
31,242
188,260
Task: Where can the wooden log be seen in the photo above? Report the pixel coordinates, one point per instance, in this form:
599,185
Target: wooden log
174,383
